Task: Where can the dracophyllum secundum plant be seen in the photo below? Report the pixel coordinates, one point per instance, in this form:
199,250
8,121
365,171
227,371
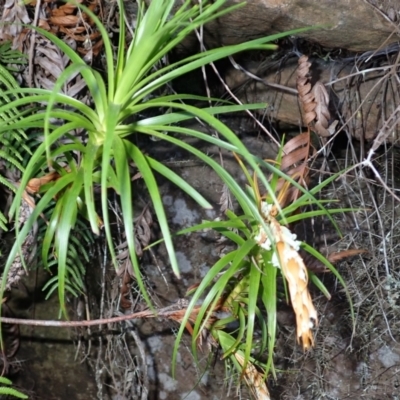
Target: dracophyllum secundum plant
130,86
242,285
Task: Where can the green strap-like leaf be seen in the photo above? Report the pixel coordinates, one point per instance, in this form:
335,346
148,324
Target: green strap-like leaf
269,299
66,222
151,184
123,154
178,181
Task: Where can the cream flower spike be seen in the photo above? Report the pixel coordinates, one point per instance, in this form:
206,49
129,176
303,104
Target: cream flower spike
287,258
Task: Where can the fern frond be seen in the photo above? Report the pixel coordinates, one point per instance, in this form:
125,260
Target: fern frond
80,240
6,183
3,219
13,141
8,391
10,56
12,160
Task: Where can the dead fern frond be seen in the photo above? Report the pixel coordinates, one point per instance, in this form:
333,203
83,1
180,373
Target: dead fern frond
314,101
306,95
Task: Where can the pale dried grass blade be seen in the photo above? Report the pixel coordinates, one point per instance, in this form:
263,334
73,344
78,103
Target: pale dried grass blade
255,380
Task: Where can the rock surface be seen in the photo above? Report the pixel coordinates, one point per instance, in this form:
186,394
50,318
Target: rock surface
360,101
356,25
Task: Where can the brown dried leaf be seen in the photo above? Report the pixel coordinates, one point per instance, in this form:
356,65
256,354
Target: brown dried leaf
34,184
142,236
125,301
315,101
44,24
74,89
323,116
335,257
28,247
65,9
294,164
67,20
42,81
137,176
255,379
49,65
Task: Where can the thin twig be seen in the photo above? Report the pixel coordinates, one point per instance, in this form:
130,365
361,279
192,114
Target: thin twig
363,72
263,81
162,313
32,44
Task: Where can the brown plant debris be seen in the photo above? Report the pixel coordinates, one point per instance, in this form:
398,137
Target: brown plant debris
13,18
294,163
35,184
314,100
66,21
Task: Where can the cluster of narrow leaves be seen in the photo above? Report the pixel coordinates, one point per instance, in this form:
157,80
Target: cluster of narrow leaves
314,100
84,168
243,283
